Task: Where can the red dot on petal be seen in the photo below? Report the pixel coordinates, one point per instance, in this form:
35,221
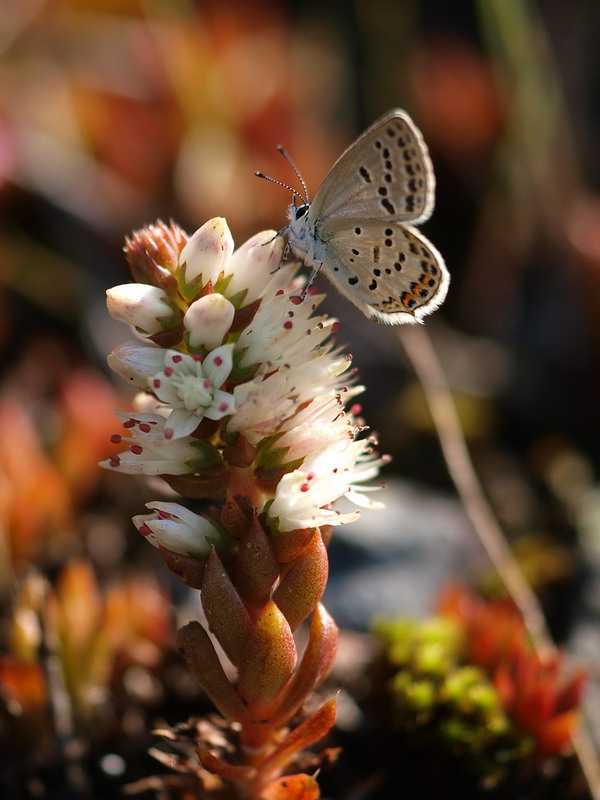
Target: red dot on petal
198,357
156,383
168,371
116,438
218,361
278,292
129,424
205,382
177,359
163,514
287,325
296,299
168,433
305,487
223,407
136,449
144,427
144,530
114,461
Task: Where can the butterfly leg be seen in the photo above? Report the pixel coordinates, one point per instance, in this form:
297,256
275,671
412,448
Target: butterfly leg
279,233
312,279
272,239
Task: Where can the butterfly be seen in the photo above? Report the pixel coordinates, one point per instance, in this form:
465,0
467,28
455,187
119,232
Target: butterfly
359,230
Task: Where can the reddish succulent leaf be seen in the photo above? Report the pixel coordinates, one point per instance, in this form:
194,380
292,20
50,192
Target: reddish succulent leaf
239,452
303,584
256,568
188,569
219,766
197,649
290,544
310,731
233,517
224,609
292,787
267,661
554,736
316,663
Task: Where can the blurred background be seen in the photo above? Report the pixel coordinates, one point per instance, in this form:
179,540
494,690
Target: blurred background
116,112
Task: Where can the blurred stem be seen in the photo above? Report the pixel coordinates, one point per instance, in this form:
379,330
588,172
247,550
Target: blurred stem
430,373
538,154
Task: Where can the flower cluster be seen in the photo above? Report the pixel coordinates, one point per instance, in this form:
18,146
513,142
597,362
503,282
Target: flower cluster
242,403
243,390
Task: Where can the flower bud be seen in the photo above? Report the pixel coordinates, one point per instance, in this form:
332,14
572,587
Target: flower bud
208,321
205,256
136,361
253,262
145,307
176,528
153,254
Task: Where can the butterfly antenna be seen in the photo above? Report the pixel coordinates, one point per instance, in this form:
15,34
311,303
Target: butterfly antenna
290,161
279,183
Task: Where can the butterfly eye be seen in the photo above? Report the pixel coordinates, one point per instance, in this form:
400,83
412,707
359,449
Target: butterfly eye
301,210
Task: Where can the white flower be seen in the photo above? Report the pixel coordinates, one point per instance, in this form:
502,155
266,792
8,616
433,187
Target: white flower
177,529
303,497
285,333
208,320
150,453
145,307
191,387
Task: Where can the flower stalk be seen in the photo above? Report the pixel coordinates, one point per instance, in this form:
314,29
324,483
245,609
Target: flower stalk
242,404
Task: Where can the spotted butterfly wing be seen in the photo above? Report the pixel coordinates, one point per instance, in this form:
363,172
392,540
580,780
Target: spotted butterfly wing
356,228
386,173
391,272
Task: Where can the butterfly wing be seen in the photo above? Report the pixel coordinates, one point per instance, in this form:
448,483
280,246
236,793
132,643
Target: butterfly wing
385,174
391,272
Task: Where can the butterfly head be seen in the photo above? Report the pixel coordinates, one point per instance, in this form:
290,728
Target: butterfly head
298,216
